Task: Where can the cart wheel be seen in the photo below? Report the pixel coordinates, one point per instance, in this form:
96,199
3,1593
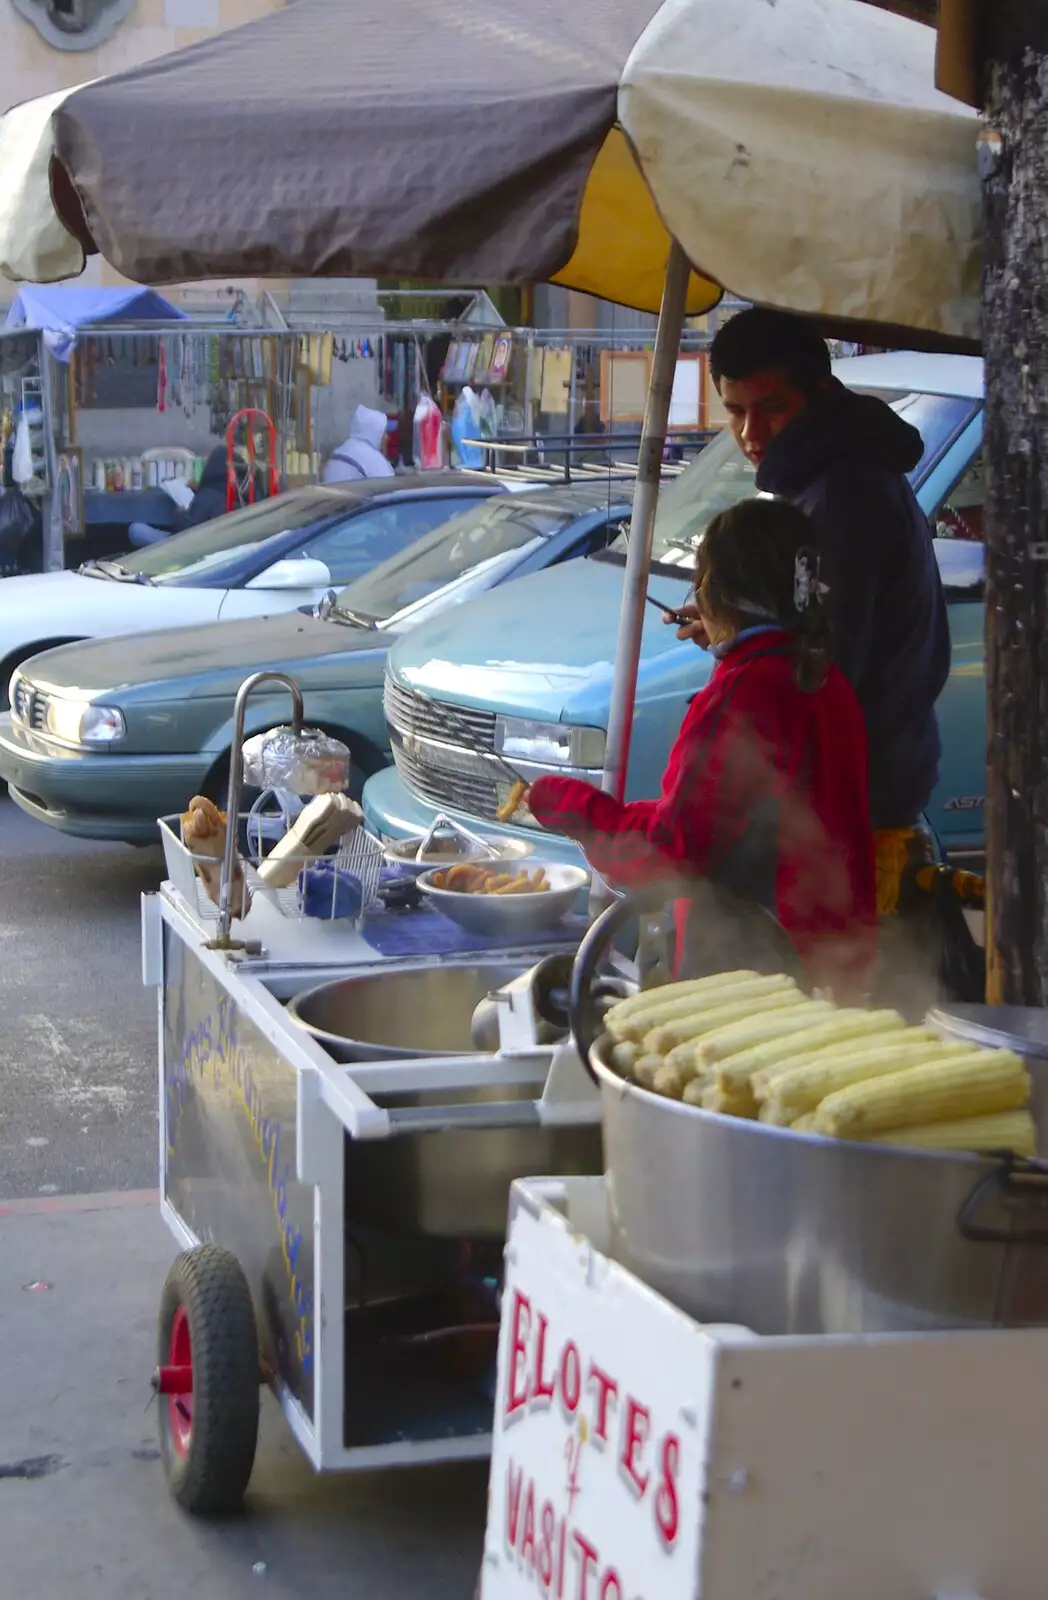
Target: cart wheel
208,1380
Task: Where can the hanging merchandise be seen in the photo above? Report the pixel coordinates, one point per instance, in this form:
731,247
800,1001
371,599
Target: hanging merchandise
161,376
428,435
22,457
465,424
556,382
487,416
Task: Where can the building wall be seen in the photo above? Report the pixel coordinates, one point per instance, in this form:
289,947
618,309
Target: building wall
30,66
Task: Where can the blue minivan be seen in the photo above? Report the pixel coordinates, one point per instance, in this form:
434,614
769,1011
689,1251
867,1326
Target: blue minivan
528,668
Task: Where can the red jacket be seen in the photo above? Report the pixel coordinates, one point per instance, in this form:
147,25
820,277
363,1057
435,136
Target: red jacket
765,792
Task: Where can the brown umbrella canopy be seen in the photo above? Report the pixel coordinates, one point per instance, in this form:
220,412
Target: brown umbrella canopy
413,139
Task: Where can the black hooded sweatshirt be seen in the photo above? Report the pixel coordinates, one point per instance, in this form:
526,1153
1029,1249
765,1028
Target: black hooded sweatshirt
843,461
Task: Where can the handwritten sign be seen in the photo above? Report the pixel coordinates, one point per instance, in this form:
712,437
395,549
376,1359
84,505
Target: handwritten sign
596,1473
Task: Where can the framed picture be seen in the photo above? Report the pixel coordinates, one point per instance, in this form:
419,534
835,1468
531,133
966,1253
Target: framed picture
70,488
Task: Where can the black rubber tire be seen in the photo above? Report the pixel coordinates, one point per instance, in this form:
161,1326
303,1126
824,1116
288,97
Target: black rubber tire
213,1474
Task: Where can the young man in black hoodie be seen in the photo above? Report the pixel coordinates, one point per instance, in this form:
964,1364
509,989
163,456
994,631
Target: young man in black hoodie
843,458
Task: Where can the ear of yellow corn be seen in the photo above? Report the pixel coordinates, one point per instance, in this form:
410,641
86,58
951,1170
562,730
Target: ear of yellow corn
641,1023
731,1040
624,1058
668,1082
668,1035
1004,1130
645,999
645,1068
843,1050
845,1024
803,1088
694,1091
941,1091
805,1124
730,1102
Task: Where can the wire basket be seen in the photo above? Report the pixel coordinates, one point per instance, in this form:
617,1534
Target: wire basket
358,854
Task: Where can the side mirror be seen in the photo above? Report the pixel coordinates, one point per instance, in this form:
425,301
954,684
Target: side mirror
304,573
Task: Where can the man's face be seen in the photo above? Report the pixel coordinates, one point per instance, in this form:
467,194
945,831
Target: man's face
759,408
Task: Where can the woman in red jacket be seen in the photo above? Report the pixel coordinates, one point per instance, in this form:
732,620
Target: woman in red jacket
765,794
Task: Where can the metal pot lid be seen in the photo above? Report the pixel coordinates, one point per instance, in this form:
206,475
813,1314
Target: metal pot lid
1023,1029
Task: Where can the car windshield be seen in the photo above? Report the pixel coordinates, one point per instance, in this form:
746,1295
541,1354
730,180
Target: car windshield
482,541
198,551
721,476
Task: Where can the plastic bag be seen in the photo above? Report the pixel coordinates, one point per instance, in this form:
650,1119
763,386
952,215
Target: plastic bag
17,521
22,459
488,415
428,435
465,424
307,763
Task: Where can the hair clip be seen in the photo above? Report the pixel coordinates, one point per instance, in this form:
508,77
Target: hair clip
806,585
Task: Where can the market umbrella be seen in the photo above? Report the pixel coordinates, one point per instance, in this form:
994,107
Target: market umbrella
795,152
797,149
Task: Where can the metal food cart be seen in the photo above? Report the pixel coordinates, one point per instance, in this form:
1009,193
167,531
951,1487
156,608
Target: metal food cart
337,1170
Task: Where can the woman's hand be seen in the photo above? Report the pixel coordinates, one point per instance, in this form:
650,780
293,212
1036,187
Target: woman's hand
692,628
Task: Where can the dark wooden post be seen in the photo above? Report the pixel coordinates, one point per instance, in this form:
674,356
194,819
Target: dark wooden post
1014,151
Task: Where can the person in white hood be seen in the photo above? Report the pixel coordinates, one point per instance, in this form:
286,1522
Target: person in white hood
360,456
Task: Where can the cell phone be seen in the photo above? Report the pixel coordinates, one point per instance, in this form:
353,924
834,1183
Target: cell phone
670,611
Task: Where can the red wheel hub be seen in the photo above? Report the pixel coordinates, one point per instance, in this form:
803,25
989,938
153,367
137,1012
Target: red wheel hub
180,1404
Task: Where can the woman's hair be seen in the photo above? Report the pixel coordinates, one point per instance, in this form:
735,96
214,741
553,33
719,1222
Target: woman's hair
757,563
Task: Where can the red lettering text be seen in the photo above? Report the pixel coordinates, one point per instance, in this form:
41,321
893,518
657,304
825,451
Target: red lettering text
561,1550
517,1398
607,1389
587,1562
527,1543
611,1588
545,1559
570,1377
540,1389
514,1484
635,1431
667,1508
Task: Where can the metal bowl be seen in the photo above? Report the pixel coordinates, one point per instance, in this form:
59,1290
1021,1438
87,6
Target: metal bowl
509,913
394,1016
448,850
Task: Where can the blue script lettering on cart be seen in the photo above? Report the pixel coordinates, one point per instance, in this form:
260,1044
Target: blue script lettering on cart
214,1044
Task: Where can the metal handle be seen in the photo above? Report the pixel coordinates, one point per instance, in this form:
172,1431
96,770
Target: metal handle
483,1114
236,769
593,947
1021,1186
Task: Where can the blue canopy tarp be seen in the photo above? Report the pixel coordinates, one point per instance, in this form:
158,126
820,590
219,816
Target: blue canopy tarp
60,311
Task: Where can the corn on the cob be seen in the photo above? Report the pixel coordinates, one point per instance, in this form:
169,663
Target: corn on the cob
730,1102
770,1112
1006,1130
694,1091
972,1085
805,1124
645,999
645,1068
641,1023
668,1035
624,1058
845,1024
803,1088
668,1082
844,1050
731,1040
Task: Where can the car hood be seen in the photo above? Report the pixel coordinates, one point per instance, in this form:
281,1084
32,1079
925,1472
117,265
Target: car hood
542,647
212,659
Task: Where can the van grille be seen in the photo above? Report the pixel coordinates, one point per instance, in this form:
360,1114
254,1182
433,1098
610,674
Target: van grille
440,752
29,706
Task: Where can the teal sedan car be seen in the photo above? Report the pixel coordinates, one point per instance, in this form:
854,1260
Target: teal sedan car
532,671
105,736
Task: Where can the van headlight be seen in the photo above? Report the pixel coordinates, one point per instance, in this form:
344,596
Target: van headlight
549,744
76,723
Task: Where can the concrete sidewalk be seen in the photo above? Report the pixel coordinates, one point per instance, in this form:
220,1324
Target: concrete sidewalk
84,1510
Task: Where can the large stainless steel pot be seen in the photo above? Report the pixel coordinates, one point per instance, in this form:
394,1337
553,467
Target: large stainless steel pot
448,1166
789,1233
397,1015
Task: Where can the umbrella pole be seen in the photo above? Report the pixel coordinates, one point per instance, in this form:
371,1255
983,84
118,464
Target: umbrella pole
642,525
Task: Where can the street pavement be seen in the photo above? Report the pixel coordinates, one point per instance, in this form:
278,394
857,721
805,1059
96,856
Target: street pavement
84,1512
